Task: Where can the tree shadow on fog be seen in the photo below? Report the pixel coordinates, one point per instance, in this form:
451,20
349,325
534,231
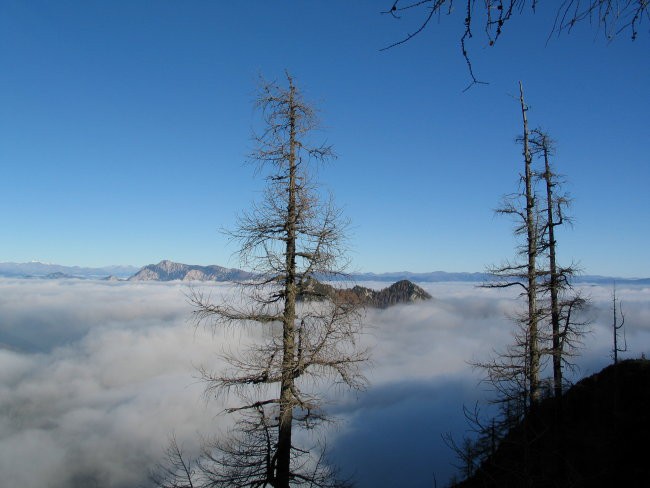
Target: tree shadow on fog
392,435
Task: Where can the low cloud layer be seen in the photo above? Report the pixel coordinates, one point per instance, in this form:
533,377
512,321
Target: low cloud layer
95,376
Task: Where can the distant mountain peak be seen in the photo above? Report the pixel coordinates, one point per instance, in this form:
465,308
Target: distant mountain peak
167,270
401,292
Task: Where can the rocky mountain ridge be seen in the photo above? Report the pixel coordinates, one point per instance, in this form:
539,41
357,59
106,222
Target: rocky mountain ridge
403,291
36,269
169,271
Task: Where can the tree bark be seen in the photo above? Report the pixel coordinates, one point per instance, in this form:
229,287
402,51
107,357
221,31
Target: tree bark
283,472
531,235
554,277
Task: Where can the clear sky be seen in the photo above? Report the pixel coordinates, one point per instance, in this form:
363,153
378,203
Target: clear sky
124,129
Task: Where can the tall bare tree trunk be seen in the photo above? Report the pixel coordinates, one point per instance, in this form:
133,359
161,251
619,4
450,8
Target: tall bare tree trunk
514,372
616,326
289,318
287,239
559,434
554,277
531,235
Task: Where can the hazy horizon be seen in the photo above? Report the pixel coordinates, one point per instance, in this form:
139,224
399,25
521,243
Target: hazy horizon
580,273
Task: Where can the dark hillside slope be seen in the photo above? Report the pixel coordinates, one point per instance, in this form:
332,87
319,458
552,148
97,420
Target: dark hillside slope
604,440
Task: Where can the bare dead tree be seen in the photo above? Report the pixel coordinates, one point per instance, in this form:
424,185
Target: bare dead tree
525,273
613,16
574,325
554,217
466,453
479,447
286,239
560,304
176,470
565,304
513,372
509,427
550,326
532,237
616,326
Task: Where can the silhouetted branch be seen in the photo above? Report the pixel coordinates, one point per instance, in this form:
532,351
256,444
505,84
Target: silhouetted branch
614,16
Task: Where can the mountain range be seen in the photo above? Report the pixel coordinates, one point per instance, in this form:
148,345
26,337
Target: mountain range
168,270
37,269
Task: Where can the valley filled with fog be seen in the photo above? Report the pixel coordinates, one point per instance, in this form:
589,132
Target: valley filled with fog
96,376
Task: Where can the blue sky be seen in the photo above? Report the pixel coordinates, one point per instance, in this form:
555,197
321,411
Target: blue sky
125,126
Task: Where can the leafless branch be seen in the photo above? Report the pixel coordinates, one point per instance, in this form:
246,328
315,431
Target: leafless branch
613,16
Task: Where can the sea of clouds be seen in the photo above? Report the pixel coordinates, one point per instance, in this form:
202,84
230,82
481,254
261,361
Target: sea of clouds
96,376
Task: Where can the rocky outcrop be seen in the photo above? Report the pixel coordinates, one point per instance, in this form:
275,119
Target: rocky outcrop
59,276
169,271
403,291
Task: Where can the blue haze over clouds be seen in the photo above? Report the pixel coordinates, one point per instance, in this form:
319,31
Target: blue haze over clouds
94,377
